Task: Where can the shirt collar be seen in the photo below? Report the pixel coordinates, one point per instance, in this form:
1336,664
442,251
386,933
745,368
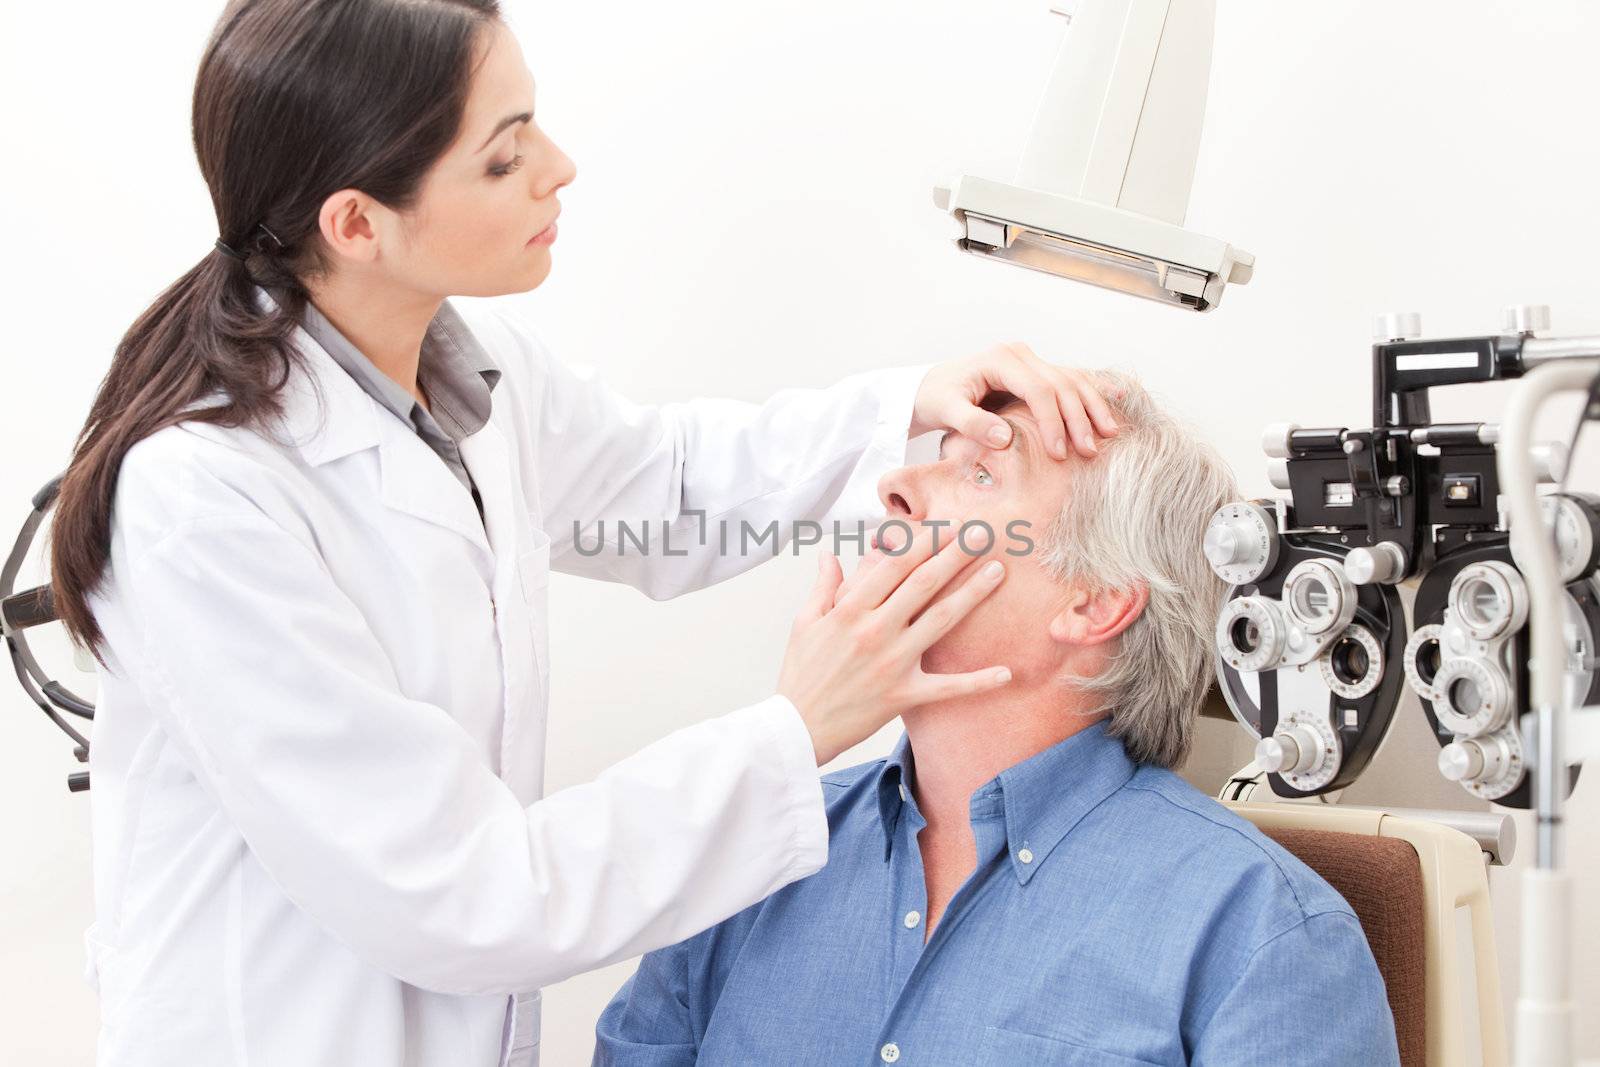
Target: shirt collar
459,374
1043,797
893,781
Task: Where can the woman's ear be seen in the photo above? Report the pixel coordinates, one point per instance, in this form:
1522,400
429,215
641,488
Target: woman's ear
1094,617
347,224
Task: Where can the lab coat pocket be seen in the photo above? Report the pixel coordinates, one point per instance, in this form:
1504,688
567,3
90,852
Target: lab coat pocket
1010,1047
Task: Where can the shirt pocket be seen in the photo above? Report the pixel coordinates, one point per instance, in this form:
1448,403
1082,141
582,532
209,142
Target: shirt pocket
1010,1047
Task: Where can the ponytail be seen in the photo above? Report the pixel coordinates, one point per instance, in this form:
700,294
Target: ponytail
206,333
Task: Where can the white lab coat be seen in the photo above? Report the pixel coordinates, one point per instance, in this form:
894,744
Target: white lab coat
320,835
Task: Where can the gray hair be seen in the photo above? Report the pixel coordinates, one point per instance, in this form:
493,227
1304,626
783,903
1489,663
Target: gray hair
1135,517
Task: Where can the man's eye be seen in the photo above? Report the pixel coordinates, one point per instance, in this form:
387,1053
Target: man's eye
982,476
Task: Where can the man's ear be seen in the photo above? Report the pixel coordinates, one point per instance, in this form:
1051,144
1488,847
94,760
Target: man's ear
1095,617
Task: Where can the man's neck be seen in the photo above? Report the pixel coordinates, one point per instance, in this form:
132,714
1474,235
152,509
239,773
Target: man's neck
958,746
387,324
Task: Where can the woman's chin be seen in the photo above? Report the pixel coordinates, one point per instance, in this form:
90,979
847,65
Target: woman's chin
525,277
538,269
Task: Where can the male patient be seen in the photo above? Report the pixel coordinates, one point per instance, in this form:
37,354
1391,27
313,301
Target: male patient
1025,880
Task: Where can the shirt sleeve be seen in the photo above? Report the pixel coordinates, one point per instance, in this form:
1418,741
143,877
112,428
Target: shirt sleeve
1312,996
728,481
377,816
649,1023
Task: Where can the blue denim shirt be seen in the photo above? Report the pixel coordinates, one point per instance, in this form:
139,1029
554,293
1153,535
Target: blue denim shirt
1117,916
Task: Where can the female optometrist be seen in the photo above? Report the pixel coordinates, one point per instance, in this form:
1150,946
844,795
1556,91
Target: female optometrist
308,529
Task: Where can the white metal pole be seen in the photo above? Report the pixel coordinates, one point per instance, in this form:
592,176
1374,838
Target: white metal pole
1544,997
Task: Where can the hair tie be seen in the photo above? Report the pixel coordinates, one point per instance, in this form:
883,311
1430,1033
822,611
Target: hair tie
261,231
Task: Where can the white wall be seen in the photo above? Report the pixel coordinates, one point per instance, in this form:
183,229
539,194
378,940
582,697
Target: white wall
753,210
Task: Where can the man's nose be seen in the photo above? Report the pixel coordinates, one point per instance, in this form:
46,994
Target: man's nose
901,493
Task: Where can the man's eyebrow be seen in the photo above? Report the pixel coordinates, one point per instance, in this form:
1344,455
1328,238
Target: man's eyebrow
509,120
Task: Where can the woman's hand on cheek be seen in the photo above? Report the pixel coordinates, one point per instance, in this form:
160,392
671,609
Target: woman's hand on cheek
855,652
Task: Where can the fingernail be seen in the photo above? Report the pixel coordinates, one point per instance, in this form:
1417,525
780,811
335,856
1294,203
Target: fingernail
999,435
1061,449
1094,449
1003,675
992,569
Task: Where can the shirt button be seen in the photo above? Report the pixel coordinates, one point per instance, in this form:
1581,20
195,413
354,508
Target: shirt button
889,1053
912,919
1026,856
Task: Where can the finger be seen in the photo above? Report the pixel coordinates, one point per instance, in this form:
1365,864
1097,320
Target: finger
935,688
1047,408
941,617
874,588
976,424
1024,381
823,590
1094,401
863,568
923,584
1078,396
1078,427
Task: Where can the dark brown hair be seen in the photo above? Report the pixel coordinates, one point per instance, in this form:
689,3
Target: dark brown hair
294,100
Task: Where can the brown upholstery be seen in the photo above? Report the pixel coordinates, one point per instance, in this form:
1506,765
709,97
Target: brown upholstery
1381,879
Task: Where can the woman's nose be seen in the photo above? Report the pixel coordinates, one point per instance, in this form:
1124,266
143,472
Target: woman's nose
900,492
557,174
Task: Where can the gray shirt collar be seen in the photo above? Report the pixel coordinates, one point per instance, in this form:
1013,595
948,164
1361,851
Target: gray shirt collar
455,371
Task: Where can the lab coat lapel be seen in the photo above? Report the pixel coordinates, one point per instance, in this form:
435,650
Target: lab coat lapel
417,482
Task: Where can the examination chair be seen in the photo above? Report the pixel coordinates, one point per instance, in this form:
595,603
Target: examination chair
1404,878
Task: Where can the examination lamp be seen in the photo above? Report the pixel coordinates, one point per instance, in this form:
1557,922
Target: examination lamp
1104,181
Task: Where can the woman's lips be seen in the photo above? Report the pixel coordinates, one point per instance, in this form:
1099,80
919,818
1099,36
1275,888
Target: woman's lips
544,236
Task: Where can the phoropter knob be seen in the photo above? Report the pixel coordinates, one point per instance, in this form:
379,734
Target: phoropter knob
1526,318
1288,751
1381,564
1471,761
1397,326
1240,542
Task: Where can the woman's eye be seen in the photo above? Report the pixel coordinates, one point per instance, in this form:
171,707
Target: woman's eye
500,170
982,476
